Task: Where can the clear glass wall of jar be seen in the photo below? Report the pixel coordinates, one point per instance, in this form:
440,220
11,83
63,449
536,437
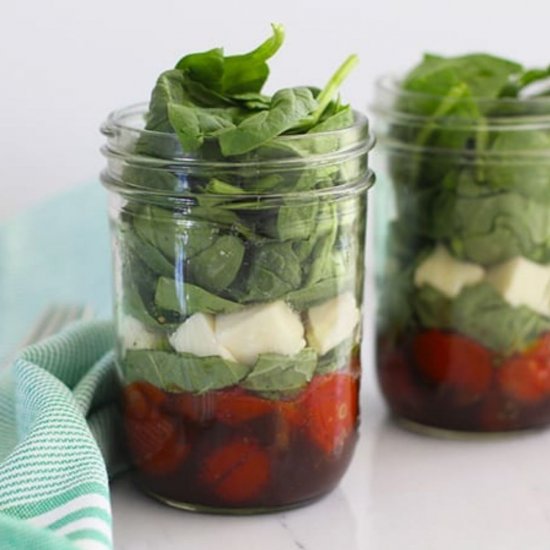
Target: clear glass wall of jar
238,294
463,252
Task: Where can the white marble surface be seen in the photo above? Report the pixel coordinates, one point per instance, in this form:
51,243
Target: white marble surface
402,491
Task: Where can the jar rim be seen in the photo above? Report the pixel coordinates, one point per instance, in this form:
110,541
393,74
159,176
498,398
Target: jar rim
117,123
388,91
124,127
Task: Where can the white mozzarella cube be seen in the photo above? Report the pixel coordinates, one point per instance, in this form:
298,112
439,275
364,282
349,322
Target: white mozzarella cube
263,328
134,334
197,335
447,274
332,322
522,282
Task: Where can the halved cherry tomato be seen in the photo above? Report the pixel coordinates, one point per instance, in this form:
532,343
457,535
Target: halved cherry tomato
332,408
526,376
139,398
156,444
237,471
197,408
233,407
453,360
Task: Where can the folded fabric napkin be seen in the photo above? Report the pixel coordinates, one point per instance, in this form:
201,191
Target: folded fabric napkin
59,442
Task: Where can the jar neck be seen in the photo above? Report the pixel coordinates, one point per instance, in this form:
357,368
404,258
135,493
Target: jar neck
472,126
143,161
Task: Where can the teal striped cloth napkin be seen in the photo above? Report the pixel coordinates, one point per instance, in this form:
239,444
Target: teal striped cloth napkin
59,442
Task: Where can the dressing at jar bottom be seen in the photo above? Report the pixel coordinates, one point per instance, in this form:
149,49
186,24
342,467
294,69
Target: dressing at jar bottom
232,451
483,393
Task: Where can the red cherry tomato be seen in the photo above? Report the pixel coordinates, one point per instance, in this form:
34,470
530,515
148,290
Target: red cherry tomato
525,377
156,444
237,471
332,409
140,398
198,408
455,361
233,407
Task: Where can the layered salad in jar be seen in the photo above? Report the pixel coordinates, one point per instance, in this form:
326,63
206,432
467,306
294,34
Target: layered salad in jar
464,312
238,229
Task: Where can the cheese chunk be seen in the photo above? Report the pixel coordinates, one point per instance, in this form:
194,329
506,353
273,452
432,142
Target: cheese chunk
522,282
197,335
331,322
134,334
263,328
447,274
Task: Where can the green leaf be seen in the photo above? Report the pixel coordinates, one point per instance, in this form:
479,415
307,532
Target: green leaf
204,67
174,234
338,358
219,187
235,74
482,314
329,92
216,267
168,89
193,124
182,371
186,299
294,221
252,101
248,72
281,373
489,229
275,270
150,255
288,107
322,251
341,119
484,75
525,79
529,178
309,296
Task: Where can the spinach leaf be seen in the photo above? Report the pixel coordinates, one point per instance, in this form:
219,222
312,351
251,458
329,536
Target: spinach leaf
322,251
193,124
217,186
182,371
281,373
204,67
287,108
168,89
328,93
309,296
527,177
174,234
484,75
523,80
252,101
275,270
248,72
294,221
338,358
216,267
236,74
134,305
186,299
482,314
493,228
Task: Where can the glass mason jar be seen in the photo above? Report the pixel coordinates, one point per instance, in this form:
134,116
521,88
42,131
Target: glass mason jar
238,292
463,249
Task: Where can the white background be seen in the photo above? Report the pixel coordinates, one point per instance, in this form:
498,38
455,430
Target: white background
66,63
